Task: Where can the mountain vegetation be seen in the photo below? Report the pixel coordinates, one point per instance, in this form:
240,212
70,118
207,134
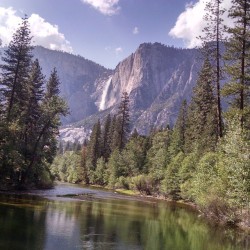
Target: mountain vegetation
197,160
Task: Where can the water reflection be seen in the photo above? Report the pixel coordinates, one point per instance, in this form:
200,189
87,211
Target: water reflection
35,223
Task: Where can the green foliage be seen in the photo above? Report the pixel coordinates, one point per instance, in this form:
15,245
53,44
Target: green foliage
121,124
179,131
29,118
100,176
212,38
205,178
238,57
116,167
187,171
106,138
94,146
142,183
67,167
134,155
170,186
157,156
201,131
236,158
15,72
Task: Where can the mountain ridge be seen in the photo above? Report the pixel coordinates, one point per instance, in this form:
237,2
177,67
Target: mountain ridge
157,78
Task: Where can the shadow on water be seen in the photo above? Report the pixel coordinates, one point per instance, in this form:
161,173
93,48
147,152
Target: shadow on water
33,222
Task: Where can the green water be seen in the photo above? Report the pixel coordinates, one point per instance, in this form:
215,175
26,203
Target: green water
106,222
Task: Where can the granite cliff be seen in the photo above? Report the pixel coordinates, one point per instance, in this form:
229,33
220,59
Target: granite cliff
156,77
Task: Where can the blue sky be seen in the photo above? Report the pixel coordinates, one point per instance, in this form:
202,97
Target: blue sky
105,31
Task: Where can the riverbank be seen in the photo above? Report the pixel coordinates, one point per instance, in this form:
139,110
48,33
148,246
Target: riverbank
214,215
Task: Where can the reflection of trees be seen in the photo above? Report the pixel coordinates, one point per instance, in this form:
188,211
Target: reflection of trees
139,226
119,224
22,223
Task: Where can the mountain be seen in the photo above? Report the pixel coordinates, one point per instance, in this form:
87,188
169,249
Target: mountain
77,76
157,78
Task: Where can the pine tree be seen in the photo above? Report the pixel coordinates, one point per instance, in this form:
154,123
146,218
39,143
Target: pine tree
121,130
84,154
105,142
53,106
14,91
212,42
238,57
201,132
29,118
94,145
33,111
45,143
15,71
134,155
157,155
179,130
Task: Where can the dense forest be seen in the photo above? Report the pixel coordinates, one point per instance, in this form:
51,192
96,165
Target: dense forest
205,157
30,110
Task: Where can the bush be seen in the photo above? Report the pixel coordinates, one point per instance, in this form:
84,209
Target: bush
122,182
205,181
45,179
142,183
186,172
170,186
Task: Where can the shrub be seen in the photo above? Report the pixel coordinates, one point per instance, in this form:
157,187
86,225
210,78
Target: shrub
142,183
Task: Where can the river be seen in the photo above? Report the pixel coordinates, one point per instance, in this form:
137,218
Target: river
49,220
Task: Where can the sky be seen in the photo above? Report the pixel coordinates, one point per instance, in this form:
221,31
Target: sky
105,31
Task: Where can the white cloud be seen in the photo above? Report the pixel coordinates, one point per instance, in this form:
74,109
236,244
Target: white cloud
118,50
135,30
44,33
8,24
106,7
190,23
48,35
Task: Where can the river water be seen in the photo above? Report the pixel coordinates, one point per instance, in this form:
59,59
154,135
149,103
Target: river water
105,220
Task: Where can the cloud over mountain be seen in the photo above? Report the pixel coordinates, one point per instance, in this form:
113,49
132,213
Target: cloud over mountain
190,23
43,32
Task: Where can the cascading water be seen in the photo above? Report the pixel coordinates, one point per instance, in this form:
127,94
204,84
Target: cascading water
104,94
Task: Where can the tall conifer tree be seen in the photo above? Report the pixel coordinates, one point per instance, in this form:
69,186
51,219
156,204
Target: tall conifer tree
14,91
238,56
33,111
106,147
201,132
45,144
122,123
15,71
94,145
179,130
212,42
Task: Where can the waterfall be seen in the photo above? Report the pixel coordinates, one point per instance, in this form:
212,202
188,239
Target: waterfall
104,94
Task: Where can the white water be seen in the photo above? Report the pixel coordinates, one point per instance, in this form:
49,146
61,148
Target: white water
104,94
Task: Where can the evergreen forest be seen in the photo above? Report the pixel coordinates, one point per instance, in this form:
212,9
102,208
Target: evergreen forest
30,110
